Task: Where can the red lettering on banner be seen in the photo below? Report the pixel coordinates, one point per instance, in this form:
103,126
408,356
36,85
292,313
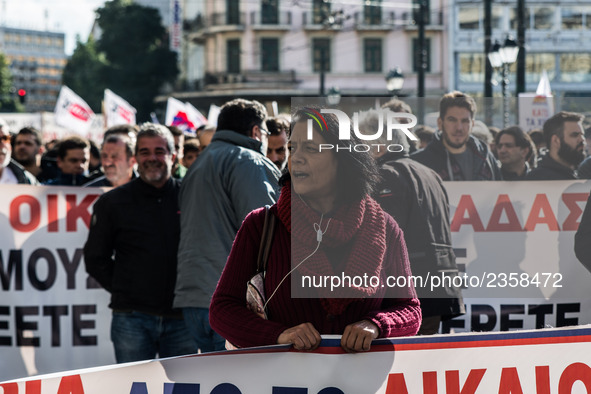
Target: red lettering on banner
541,212
396,384
10,388
52,213
452,381
81,211
466,205
577,372
503,204
543,379
74,211
33,387
71,385
15,213
541,205
430,382
570,200
510,383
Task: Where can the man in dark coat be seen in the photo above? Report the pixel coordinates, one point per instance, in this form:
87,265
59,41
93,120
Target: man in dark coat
414,195
454,153
566,143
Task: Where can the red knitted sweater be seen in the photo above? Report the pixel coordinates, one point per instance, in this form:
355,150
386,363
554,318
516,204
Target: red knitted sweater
230,318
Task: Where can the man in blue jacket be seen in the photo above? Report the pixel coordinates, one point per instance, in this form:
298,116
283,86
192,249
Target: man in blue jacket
454,153
228,180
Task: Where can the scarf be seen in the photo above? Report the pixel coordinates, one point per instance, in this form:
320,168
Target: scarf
360,226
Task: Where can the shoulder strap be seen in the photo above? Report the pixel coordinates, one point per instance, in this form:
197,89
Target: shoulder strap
266,240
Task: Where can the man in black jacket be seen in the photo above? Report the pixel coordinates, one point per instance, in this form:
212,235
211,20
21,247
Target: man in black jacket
454,153
515,151
73,156
132,252
414,195
566,143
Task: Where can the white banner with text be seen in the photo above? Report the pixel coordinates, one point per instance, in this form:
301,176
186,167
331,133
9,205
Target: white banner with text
542,361
514,242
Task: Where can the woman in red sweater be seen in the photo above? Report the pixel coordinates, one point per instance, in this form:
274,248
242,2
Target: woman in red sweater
329,231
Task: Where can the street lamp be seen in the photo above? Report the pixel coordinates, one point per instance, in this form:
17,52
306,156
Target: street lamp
502,57
394,81
334,96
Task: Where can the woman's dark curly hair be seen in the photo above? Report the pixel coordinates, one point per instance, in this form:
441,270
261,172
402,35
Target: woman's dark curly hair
357,172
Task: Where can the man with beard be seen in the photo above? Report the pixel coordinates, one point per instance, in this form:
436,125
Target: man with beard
565,140
277,150
454,153
132,252
10,171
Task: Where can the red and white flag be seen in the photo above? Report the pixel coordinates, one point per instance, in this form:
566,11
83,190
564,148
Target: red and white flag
196,117
72,112
117,110
183,115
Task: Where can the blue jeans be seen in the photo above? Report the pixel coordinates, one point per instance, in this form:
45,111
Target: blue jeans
197,320
140,336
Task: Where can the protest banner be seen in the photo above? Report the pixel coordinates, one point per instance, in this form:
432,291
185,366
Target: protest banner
54,318
543,362
515,242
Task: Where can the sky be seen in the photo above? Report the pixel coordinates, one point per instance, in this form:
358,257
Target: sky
68,16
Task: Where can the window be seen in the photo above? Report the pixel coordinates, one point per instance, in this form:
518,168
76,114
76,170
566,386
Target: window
572,18
416,55
543,17
372,12
471,67
513,21
321,54
270,12
587,13
320,11
416,11
372,48
575,67
232,12
497,18
469,17
536,63
233,56
270,54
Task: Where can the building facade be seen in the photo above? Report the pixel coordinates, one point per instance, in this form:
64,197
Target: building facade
558,40
37,60
277,49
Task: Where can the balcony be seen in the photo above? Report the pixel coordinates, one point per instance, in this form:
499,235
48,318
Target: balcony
375,21
200,27
280,21
433,21
316,22
251,79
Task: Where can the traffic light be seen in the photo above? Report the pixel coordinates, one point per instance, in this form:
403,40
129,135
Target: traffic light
22,95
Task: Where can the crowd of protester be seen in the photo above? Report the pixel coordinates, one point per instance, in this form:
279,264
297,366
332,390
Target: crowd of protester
174,223
560,150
